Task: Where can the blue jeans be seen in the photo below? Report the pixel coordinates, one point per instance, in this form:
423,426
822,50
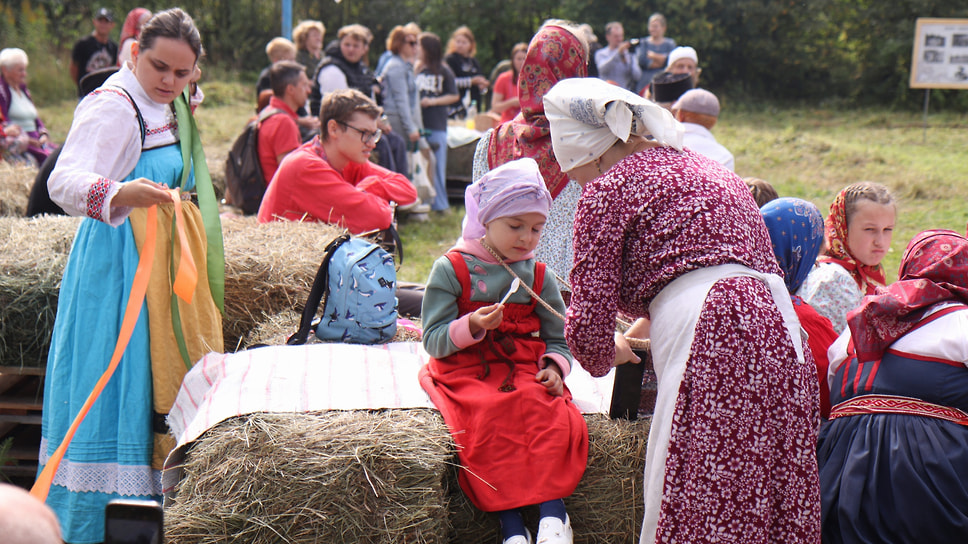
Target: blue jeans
440,171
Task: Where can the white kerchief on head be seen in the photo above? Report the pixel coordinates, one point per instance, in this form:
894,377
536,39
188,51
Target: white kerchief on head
514,188
588,115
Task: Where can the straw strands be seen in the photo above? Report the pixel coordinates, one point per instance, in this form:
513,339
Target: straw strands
33,253
15,184
372,477
376,477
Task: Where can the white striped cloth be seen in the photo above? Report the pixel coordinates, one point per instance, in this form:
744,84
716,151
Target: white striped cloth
315,378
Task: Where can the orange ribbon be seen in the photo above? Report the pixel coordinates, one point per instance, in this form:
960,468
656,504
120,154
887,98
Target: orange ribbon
187,276
184,286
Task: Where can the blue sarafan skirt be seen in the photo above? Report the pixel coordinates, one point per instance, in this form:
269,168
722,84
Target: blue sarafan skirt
110,455
893,478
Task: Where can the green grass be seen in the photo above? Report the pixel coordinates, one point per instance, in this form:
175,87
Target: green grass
805,151
813,153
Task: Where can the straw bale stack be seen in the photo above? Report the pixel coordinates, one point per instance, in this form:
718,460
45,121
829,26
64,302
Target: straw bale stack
33,253
268,269
15,184
377,477
372,477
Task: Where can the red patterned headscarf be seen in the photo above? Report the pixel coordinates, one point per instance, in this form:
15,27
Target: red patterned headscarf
130,27
554,54
868,278
934,269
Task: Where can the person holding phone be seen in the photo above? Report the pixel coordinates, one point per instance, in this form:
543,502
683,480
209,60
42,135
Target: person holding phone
122,157
616,63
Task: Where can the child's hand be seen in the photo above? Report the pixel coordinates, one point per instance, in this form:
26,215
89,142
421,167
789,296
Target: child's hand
551,379
487,318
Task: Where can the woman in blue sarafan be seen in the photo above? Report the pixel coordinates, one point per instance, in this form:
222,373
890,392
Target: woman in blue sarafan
894,457
131,141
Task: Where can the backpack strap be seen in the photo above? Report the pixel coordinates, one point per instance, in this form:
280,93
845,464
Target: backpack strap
137,111
269,112
263,115
316,293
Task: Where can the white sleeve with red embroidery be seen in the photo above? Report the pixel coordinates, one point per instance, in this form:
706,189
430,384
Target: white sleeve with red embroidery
102,147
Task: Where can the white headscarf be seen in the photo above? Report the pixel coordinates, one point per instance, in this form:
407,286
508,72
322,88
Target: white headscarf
588,115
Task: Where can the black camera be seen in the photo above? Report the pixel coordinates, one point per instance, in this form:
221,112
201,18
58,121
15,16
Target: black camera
634,42
133,522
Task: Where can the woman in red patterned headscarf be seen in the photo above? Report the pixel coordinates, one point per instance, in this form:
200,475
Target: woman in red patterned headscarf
893,457
858,233
130,31
557,51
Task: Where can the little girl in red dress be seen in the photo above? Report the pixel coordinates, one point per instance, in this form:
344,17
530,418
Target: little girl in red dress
500,358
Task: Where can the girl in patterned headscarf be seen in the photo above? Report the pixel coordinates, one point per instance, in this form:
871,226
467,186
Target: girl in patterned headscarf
498,368
667,234
893,457
796,230
858,232
557,51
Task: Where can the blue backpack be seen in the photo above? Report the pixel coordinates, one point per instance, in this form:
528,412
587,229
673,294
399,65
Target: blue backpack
359,281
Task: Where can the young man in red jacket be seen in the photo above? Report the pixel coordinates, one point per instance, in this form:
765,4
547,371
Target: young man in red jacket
331,179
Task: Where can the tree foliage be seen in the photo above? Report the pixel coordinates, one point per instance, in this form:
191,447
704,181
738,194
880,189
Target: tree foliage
856,51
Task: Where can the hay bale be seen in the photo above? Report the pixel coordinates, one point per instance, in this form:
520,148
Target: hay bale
382,476
607,507
15,184
370,477
33,253
269,268
274,330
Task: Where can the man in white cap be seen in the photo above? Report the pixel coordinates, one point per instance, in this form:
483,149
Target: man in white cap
698,111
684,60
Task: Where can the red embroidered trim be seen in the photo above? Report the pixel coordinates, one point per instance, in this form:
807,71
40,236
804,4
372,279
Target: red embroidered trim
889,404
95,197
159,130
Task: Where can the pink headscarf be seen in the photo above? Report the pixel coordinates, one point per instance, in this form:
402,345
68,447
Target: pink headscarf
514,188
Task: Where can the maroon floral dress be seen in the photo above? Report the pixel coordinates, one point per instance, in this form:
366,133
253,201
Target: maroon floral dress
738,441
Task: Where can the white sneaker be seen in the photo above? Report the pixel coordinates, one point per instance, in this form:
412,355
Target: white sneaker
526,539
551,530
417,207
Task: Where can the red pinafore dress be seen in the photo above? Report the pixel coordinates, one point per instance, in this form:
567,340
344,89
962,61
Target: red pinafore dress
518,445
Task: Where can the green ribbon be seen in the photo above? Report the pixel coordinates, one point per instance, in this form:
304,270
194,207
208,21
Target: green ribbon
176,322
193,155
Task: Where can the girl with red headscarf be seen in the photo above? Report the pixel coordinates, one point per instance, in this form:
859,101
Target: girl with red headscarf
858,234
894,457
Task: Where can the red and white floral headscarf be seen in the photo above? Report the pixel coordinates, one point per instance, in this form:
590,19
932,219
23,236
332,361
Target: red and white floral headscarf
868,278
934,269
553,55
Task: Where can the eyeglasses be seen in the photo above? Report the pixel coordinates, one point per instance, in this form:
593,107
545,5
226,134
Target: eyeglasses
366,136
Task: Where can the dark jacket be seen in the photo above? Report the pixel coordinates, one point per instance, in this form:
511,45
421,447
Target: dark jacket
358,75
